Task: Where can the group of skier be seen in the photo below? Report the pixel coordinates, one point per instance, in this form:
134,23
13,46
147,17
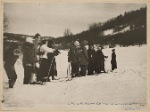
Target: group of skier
39,60
87,59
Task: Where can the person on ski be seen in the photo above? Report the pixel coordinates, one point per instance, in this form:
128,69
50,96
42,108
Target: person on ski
83,58
10,57
73,59
51,65
43,70
113,60
29,60
91,55
101,60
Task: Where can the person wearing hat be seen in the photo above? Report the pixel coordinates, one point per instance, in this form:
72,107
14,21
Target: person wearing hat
113,60
51,62
100,60
73,59
91,55
43,70
29,59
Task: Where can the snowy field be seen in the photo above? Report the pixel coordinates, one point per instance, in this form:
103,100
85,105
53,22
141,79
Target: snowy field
124,88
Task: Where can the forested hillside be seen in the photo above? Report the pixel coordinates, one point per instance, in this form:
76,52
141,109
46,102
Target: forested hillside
124,30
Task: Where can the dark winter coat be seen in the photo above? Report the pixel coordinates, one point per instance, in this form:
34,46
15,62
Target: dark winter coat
100,56
113,57
83,56
29,55
72,55
113,61
52,64
10,59
91,55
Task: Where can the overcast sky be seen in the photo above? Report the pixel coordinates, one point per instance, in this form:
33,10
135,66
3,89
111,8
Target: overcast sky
52,19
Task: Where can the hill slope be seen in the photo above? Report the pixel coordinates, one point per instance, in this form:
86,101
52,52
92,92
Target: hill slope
127,29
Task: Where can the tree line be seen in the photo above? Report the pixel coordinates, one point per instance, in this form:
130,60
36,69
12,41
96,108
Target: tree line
136,20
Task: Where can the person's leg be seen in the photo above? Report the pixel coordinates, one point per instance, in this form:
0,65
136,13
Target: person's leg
43,70
8,70
98,67
14,78
53,71
112,67
49,69
83,70
90,68
37,73
77,69
27,74
73,71
9,82
11,74
103,67
115,66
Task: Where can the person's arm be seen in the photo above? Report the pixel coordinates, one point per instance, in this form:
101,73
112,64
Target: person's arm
47,49
104,55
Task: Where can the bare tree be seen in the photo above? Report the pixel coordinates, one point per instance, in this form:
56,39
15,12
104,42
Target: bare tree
67,32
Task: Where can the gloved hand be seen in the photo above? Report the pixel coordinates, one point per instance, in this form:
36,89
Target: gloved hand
56,52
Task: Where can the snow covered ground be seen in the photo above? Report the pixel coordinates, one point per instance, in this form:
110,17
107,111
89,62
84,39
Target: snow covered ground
125,88
112,32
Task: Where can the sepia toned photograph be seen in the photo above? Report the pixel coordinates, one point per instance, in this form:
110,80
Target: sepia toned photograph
74,56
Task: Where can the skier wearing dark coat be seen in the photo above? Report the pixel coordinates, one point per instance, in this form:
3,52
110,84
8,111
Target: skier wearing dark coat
29,60
100,59
10,58
73,58
83,58
91,55
113,60
51,67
